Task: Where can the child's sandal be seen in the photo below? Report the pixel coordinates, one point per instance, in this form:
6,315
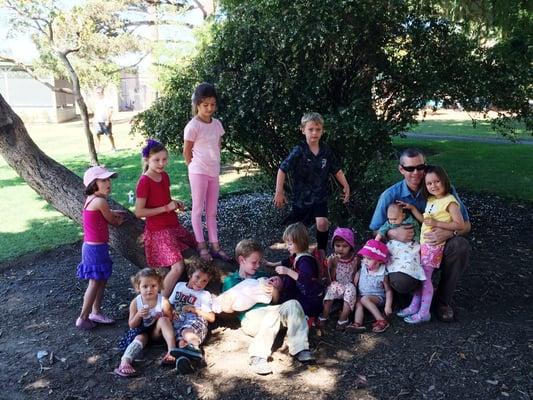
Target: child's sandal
220,254
341,325
381,325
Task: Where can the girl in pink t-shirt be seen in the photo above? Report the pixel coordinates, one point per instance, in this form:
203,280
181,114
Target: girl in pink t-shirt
164,237
201,150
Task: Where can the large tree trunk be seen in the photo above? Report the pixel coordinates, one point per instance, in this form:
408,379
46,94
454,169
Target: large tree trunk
76,88
58,185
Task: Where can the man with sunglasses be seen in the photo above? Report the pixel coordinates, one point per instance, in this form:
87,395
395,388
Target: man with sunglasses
457,249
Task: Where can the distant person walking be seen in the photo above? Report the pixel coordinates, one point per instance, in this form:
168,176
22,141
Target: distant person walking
103,110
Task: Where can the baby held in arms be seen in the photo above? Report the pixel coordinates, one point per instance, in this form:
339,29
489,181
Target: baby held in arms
246,294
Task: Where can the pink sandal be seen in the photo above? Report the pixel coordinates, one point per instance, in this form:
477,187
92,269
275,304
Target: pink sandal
381,325
101,319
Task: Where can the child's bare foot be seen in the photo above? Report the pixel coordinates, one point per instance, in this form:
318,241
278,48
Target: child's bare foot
125,370
168,360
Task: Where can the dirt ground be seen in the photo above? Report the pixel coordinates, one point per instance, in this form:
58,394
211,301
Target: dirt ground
487,353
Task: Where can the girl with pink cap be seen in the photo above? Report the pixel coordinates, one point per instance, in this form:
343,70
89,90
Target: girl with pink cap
374,288
342,265
96,265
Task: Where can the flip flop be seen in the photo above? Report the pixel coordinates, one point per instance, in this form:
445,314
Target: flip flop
121,371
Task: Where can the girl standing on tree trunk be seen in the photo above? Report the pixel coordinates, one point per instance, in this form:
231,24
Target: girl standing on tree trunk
96,264
164,237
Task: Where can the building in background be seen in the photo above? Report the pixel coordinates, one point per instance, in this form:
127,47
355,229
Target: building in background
33,101
134,93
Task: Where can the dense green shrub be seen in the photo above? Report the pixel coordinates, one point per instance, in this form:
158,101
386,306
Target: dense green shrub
367,66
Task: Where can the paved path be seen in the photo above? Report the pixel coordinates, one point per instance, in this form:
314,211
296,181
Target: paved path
438,136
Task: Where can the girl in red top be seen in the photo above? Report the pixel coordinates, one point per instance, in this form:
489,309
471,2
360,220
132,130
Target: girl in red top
96,265
164,237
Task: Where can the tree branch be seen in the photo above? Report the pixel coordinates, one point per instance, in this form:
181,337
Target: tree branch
28,70
202,8
68,51
158,22
128,66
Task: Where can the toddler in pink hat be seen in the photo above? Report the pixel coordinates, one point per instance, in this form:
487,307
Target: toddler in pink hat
374,288
342,265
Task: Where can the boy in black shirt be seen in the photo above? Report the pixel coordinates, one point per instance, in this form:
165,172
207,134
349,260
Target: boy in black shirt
309,166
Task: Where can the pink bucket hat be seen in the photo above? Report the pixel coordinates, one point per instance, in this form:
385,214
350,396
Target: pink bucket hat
375,250
345,234
97,172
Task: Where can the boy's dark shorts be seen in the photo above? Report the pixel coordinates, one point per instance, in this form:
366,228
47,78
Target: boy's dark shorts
104,129
307,215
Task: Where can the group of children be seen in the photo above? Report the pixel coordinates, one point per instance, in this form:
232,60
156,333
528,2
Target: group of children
179,312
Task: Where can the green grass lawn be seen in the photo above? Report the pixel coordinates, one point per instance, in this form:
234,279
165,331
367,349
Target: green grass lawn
37,226
455,127
490,168
503,169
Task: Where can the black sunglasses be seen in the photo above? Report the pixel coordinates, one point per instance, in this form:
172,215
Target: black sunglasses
421,167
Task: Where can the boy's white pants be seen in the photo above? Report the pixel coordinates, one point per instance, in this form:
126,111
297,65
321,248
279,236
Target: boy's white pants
264,323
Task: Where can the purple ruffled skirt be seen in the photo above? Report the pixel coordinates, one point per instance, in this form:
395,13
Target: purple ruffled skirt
95,262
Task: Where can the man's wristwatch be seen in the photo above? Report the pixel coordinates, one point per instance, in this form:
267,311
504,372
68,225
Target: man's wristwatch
455,233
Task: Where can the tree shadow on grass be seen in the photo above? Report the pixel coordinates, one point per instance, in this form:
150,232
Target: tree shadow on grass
41,234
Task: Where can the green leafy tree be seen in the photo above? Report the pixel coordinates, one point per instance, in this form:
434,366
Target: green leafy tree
367,66
77,43
83,42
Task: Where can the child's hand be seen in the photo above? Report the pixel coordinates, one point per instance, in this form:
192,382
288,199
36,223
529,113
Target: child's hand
118,217
334,257
171,206
430,222
281,270
405,205
143,312
180,206
189,308
346,194
267,288
388,312
279,199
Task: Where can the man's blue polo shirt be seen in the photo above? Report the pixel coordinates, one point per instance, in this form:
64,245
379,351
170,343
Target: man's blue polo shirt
400,191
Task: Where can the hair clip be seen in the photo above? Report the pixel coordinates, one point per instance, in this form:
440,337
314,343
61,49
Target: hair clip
150,143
